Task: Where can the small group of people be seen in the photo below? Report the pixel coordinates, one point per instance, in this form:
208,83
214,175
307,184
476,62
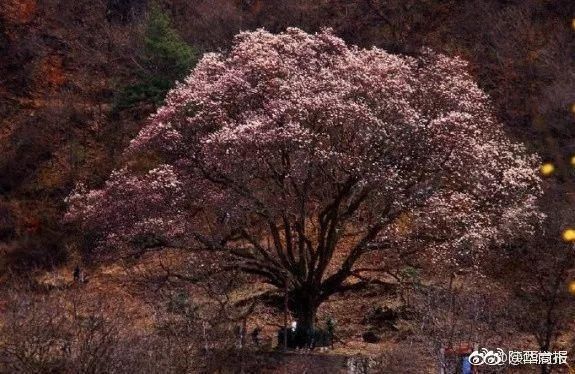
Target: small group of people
79,275
255,335
458,356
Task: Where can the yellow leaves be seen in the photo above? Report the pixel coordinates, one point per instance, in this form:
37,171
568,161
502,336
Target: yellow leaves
547,169
403,224
533,55
568,235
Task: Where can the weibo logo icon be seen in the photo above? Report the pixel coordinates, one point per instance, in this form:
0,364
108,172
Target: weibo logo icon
487,357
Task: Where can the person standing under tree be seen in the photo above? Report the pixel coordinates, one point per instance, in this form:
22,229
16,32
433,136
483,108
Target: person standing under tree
256,336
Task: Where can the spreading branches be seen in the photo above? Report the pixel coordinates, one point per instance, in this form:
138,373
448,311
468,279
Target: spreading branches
294,156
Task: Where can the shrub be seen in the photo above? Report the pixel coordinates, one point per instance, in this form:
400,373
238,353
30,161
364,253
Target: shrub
166,58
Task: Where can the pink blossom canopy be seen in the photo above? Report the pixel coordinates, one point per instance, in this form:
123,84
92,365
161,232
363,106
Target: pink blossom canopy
291,145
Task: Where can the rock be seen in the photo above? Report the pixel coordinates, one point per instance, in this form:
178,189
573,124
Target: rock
371,337
381,316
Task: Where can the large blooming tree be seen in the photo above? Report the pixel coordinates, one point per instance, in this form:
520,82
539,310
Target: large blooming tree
304,161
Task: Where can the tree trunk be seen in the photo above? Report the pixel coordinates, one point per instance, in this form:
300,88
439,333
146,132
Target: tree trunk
304,309
306,317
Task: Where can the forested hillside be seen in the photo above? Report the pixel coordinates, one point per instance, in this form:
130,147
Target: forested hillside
70,72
